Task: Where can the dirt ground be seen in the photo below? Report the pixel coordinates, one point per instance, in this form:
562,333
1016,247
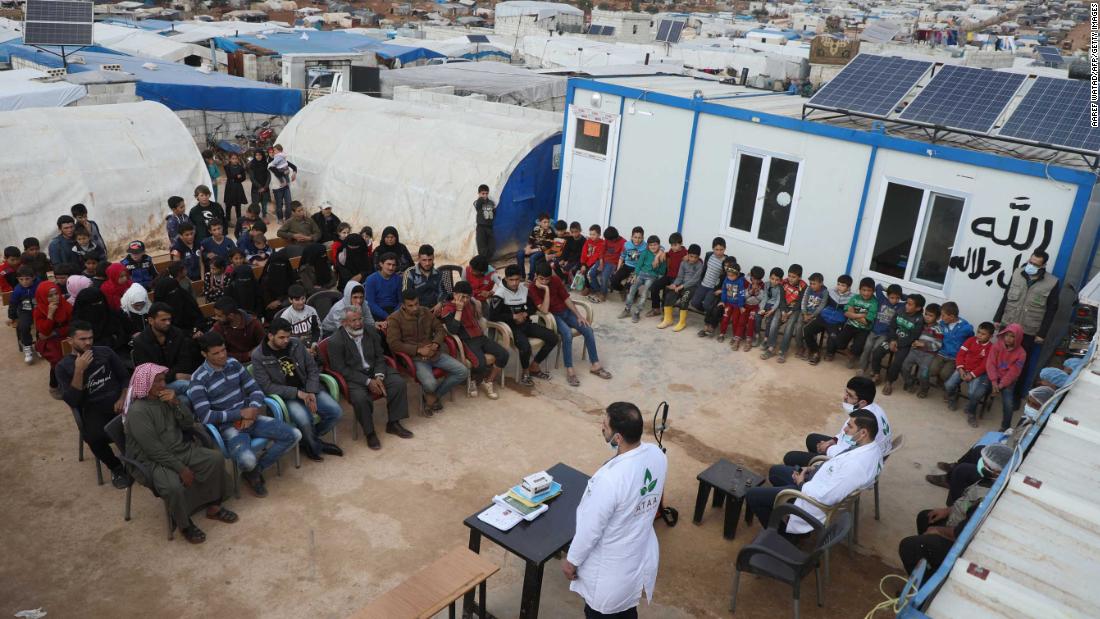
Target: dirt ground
332,536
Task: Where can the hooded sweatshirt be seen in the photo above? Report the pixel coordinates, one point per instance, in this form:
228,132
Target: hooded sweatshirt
1005,364
332,320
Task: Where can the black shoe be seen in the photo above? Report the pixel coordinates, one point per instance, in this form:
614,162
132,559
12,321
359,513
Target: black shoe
331,449
121,479
373,442
255,483
395,427
310,453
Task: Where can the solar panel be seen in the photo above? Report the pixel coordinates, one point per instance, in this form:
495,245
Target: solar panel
964,98
870,84
663,29
675,32
1055,112
477,38
58,22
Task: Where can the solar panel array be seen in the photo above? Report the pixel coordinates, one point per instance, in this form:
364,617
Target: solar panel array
1055,112
871,84
964,98
669,31
58,22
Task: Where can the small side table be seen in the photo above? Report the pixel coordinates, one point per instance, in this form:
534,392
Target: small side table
730,483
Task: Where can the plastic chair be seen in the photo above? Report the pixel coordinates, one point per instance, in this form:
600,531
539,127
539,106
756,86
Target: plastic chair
589,315
115,432
773,556
80,445
258,445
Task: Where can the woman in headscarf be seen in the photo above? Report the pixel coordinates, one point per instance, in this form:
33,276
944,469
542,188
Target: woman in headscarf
391,244
91,306
75,284
135,306
261,179
118,280
314,271
185,311
354,260
274,282
52,314
187,476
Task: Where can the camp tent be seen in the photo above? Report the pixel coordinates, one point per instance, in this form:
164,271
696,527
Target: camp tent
417,166
123,161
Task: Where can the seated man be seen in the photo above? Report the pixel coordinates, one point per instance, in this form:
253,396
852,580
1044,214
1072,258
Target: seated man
958,476
241,331
938,528
165,344
224,395
830,482
187,476
355,352
283,366
858,393
354,296
512,305
462,315
415,331
425,279
383,289
551,297
93,381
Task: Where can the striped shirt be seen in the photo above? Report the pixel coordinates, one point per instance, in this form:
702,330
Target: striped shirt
217,396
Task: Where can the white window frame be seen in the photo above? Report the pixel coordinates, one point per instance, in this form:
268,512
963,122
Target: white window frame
751,236
929,190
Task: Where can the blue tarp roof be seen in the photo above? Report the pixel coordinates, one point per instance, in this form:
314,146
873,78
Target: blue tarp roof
324,42
178,86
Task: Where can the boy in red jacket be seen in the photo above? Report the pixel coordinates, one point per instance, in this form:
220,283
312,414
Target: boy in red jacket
1005,363
970,369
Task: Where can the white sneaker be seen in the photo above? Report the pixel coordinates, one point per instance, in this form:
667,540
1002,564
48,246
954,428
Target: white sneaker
28,355
490,391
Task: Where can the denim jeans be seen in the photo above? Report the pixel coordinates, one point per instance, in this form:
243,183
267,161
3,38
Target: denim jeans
180,387
327,409
639,287
600,276
566,322
239,442
282,202
976,390
456,374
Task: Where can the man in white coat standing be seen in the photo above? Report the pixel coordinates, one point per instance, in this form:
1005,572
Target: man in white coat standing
612,560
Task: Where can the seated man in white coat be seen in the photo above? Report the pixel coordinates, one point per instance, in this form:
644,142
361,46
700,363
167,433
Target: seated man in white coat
858,393
612,560
831,481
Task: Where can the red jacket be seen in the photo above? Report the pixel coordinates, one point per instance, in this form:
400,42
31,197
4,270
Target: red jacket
591,252
1005,364
972,356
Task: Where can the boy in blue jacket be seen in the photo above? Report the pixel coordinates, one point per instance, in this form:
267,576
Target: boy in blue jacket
956,330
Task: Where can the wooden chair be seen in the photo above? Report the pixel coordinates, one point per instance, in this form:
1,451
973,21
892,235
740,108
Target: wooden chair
437,586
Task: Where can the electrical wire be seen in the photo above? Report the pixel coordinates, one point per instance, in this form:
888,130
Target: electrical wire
894,604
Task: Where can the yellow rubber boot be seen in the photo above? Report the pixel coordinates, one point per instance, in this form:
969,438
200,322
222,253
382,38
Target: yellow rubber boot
680,326
667,320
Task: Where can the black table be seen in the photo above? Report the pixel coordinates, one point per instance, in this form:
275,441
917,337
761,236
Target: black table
730,483
537,541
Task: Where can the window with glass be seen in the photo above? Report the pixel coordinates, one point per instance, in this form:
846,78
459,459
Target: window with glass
916,233
763,197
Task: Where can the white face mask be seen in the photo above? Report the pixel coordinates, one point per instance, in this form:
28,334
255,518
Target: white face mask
847,408
1030,269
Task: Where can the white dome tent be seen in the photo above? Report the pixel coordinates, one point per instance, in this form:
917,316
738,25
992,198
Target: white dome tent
122,161
416,165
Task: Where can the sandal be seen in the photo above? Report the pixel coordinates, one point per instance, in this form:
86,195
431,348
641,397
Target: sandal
223,515
602,373
193,534
573,380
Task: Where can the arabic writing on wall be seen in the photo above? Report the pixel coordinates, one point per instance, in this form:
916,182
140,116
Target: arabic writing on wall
1021,232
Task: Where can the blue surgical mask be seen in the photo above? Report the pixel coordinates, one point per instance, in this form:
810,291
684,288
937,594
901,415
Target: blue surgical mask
1030,269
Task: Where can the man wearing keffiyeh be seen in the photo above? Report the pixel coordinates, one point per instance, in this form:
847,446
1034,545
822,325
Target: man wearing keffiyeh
186,475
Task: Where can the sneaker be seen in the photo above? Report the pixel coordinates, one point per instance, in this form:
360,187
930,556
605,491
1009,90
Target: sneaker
624,313
120,478
490,391
28,355
526,381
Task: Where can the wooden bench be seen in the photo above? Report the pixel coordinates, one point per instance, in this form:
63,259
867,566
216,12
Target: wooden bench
434,588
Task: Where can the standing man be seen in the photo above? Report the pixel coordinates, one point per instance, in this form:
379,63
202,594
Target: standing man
485,210
1031,300
613,558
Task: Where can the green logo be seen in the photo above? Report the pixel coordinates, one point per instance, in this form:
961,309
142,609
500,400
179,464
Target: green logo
648,483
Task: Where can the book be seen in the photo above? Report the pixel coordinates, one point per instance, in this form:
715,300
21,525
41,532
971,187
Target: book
518,493
501,517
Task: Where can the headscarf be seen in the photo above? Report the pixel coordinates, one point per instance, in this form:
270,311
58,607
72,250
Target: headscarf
134,295
141,382
75,284
111,288
314,256
61,316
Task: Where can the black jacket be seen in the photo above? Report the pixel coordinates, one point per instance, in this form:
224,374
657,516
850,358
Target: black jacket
180,353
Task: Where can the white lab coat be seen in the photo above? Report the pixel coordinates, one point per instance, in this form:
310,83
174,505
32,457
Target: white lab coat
615,547
835,479
882,439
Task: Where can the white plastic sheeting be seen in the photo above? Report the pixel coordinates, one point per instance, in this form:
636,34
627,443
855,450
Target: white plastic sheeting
530,7
19,89
411,165
123,161
499,82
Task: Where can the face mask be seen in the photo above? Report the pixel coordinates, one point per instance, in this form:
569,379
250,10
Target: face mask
847,408
1030,269
849,441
